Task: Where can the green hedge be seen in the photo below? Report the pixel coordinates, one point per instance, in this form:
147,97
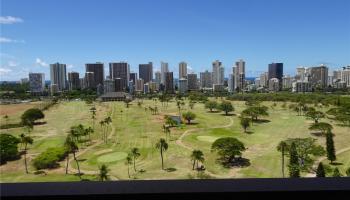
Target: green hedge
50,158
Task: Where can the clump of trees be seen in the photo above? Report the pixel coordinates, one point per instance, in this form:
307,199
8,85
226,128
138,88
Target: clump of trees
9,148
341,113
50,157
314,114
255,111
211,105
226,106
229,150
323,127
29,117
197,156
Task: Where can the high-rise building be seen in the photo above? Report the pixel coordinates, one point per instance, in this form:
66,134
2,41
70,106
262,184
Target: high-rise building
276,71
133,77
169,82
163,69
146,88
231,82
58,76
37,82
302,74
139,85
240,75
158,77
108,86
206,79
182,70
192,82
287,82
318,76
218,75
183,86
264,80
146,72
98,70
274,84
73,80
120,71
345,76
24,80
90,80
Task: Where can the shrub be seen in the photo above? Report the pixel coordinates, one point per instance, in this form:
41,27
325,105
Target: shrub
49,158
8,145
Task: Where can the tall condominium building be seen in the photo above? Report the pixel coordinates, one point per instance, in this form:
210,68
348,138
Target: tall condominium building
182,70
169,82
240,75
319,76
302,74
90,80
231,82
287,82
133,77
98,70
345,76
274,84
164,67
37,82
24,80
276,71
206,79
139,85
264,80
218,75
73,80
183,86
120,71
158,77
58,76
108,85
192,81
146,72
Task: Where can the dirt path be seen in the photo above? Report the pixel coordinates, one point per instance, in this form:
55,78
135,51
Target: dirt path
324,158
180,143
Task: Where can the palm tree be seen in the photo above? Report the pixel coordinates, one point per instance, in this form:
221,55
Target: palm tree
103,174
25,140
135,154
282,146
162,145
102,123
196,156
89,131
71,147
128,162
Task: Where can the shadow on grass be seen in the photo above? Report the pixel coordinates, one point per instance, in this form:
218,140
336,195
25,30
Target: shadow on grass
249,132
192,123
228,114
82,159
261,121
318,134
336,163
39,123
238,162
214,111
170,169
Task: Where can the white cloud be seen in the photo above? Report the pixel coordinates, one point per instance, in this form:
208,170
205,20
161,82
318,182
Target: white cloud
70,66
9,40
4,71
12,63
10,20
40,62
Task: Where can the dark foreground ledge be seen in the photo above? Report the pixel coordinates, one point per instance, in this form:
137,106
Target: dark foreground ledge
143,188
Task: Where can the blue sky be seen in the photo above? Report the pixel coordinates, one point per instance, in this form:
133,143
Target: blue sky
35,33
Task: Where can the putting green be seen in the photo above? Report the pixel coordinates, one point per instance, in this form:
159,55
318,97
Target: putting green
207,138
112,157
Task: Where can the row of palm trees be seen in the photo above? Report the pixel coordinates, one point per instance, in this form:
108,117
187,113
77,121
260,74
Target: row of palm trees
105,127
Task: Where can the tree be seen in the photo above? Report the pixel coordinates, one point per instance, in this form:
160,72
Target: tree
321,126
255,111
72,148
31,115
294,171
245,123
127,102
128,162
135,152
226,106
162,146
170,121
314,114
211,105
336,173
93,116
179,105
25,140
348,172
191,104
307,149
197,156
320,171
189,116
103,172
9,150
228,148
330,147
282,147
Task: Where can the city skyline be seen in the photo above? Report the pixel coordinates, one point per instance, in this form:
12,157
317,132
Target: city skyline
32,37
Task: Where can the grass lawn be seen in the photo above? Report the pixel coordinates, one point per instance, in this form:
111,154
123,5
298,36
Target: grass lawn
137,127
